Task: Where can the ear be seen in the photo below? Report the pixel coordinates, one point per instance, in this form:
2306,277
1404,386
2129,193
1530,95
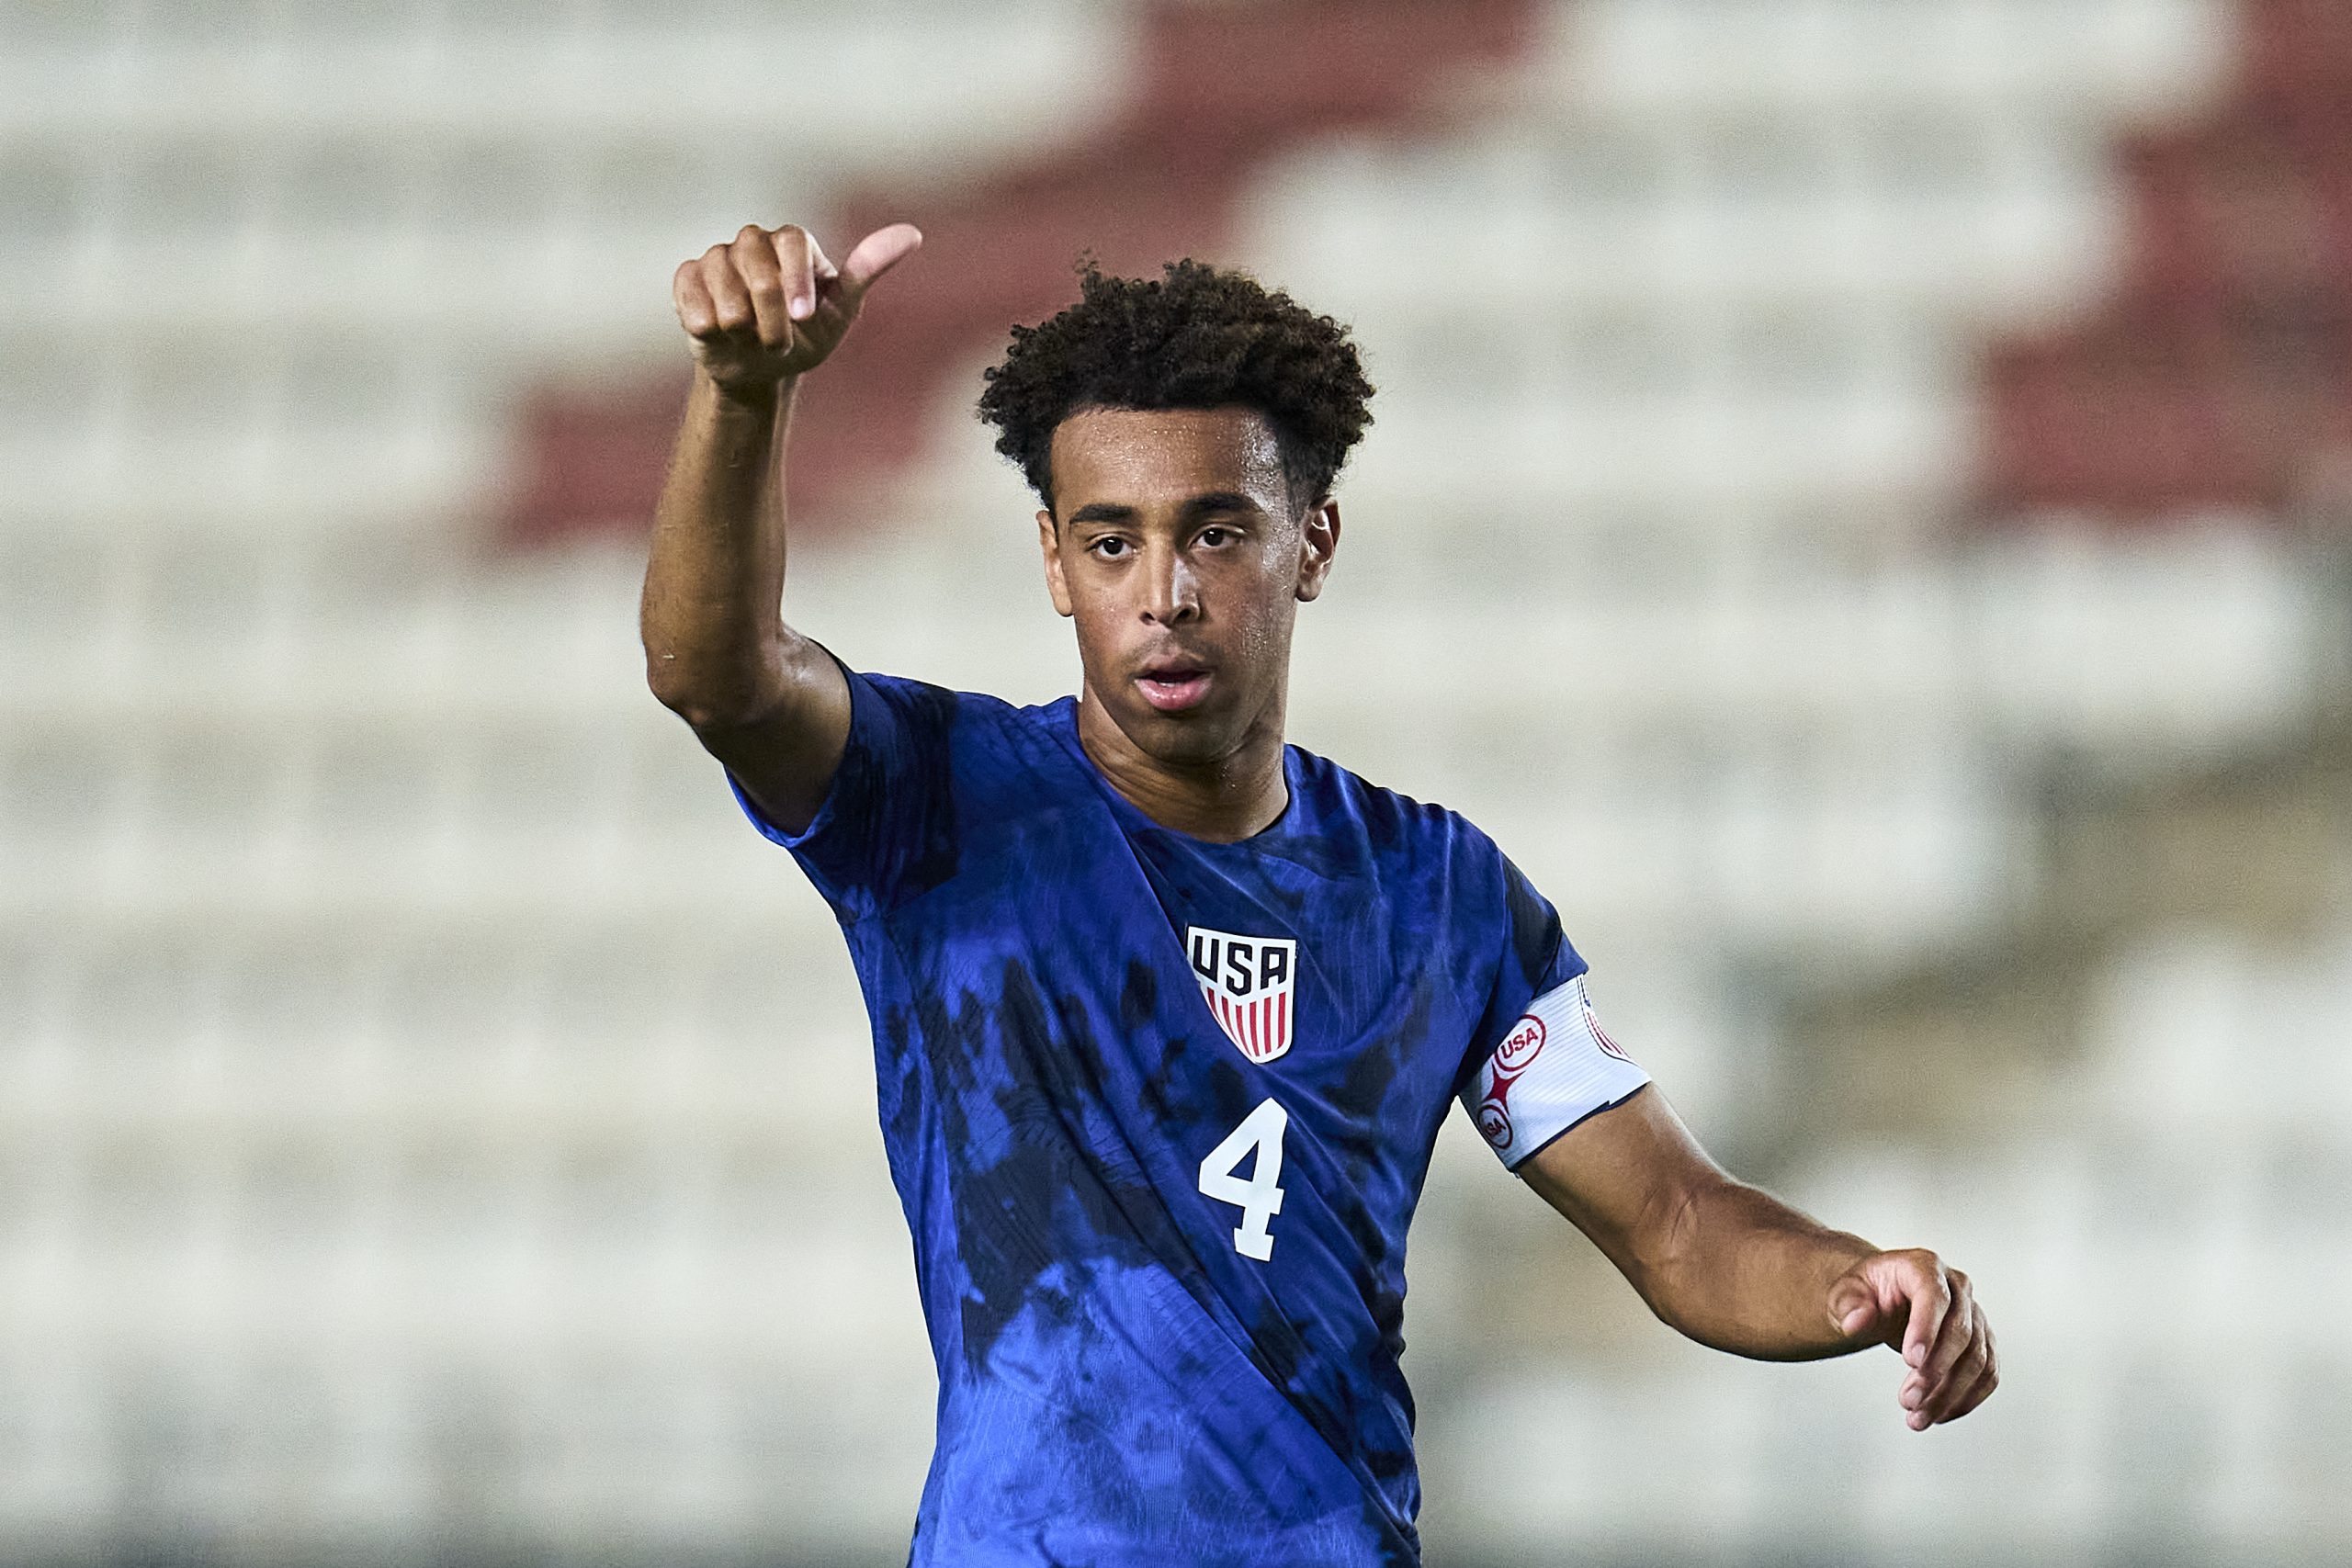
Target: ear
1049,543
1318,541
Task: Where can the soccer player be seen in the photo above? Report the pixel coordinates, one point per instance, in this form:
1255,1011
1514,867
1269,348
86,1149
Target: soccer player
1167,1013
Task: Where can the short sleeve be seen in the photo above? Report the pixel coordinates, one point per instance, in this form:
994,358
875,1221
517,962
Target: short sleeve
1535,956
1552,1068
886,830
1539,1062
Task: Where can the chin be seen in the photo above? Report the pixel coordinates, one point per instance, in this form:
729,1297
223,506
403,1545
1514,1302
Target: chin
1182,740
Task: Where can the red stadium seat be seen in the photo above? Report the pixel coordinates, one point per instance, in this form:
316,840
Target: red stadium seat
1221,90
2221,365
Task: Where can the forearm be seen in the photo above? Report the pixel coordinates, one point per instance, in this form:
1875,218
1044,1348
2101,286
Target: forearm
1736,1268
711,616
1742,1271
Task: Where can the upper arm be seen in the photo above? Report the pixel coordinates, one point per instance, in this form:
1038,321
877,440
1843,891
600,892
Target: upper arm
881,825
784,756
1627,1178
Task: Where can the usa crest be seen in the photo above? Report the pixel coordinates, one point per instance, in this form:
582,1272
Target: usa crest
1249,982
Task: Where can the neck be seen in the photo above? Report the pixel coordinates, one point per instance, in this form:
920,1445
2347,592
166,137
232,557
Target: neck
1223,799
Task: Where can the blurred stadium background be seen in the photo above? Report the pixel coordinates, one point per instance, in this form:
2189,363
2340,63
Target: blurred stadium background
1860,509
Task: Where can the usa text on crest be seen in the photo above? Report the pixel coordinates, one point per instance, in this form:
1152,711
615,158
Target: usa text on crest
1249,982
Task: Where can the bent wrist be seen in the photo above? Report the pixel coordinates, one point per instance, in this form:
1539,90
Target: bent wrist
747,398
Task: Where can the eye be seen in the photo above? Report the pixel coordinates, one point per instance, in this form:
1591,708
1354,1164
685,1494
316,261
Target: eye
1216,534
1110,547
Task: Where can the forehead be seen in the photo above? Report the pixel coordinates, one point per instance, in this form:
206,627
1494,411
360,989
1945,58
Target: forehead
1141,458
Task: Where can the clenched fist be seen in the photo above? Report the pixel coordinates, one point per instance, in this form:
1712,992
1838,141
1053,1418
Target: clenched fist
768,305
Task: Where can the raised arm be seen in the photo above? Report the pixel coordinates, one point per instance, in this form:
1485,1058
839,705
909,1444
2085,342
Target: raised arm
1735,1267
761,311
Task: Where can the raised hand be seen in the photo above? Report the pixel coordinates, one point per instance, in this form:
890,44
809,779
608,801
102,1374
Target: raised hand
767,305
1910,1300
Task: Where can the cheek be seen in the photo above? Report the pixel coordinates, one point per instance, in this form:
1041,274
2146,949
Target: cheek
1262,618
1096,617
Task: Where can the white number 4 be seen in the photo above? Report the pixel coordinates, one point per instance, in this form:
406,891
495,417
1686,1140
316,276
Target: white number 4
1260,1198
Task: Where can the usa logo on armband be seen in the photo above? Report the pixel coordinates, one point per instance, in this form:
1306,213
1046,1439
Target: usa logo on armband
1550,1069
1521,1046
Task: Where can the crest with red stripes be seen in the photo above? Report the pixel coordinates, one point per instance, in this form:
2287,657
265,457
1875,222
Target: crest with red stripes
1249,982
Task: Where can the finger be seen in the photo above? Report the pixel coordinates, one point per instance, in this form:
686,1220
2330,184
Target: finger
878,253
1953,1339
1965,1396
696,313
822,275
793,253
1987,1381
1943,1395
1947,1405
755,262
730,302
1931,1300
1986,1384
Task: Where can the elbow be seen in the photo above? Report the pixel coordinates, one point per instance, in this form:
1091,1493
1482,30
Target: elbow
705,703
674,687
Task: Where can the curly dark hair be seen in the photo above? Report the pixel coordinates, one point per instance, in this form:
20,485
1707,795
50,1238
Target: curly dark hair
1203,338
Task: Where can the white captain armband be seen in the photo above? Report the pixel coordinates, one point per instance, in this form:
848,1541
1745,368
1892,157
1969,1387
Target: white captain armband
1553,1068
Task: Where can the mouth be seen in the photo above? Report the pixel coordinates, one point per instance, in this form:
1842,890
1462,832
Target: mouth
1173,687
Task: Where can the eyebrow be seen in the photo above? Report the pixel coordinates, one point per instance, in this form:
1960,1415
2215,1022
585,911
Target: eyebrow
1208,501
1220,500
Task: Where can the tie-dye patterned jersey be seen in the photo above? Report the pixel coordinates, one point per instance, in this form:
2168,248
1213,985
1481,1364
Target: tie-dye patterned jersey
1158,1111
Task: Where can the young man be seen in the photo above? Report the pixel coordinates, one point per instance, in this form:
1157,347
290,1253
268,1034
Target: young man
1166,1012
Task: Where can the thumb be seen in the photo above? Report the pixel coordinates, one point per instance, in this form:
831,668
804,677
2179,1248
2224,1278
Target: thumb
1852,1303
878,253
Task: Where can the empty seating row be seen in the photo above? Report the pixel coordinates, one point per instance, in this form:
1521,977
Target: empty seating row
430,1118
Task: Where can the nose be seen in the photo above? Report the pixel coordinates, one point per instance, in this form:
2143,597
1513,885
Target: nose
1172,588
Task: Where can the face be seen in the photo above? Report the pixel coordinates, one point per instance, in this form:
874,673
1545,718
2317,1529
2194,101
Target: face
1178,555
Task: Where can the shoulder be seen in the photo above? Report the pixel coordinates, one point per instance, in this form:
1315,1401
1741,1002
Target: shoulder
937,710
991,756
908,697
1451,858
1393,823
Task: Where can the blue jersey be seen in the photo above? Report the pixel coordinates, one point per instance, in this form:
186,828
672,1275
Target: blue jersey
1158,1111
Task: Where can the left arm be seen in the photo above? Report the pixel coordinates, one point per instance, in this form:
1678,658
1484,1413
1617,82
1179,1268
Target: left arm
1736,1268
